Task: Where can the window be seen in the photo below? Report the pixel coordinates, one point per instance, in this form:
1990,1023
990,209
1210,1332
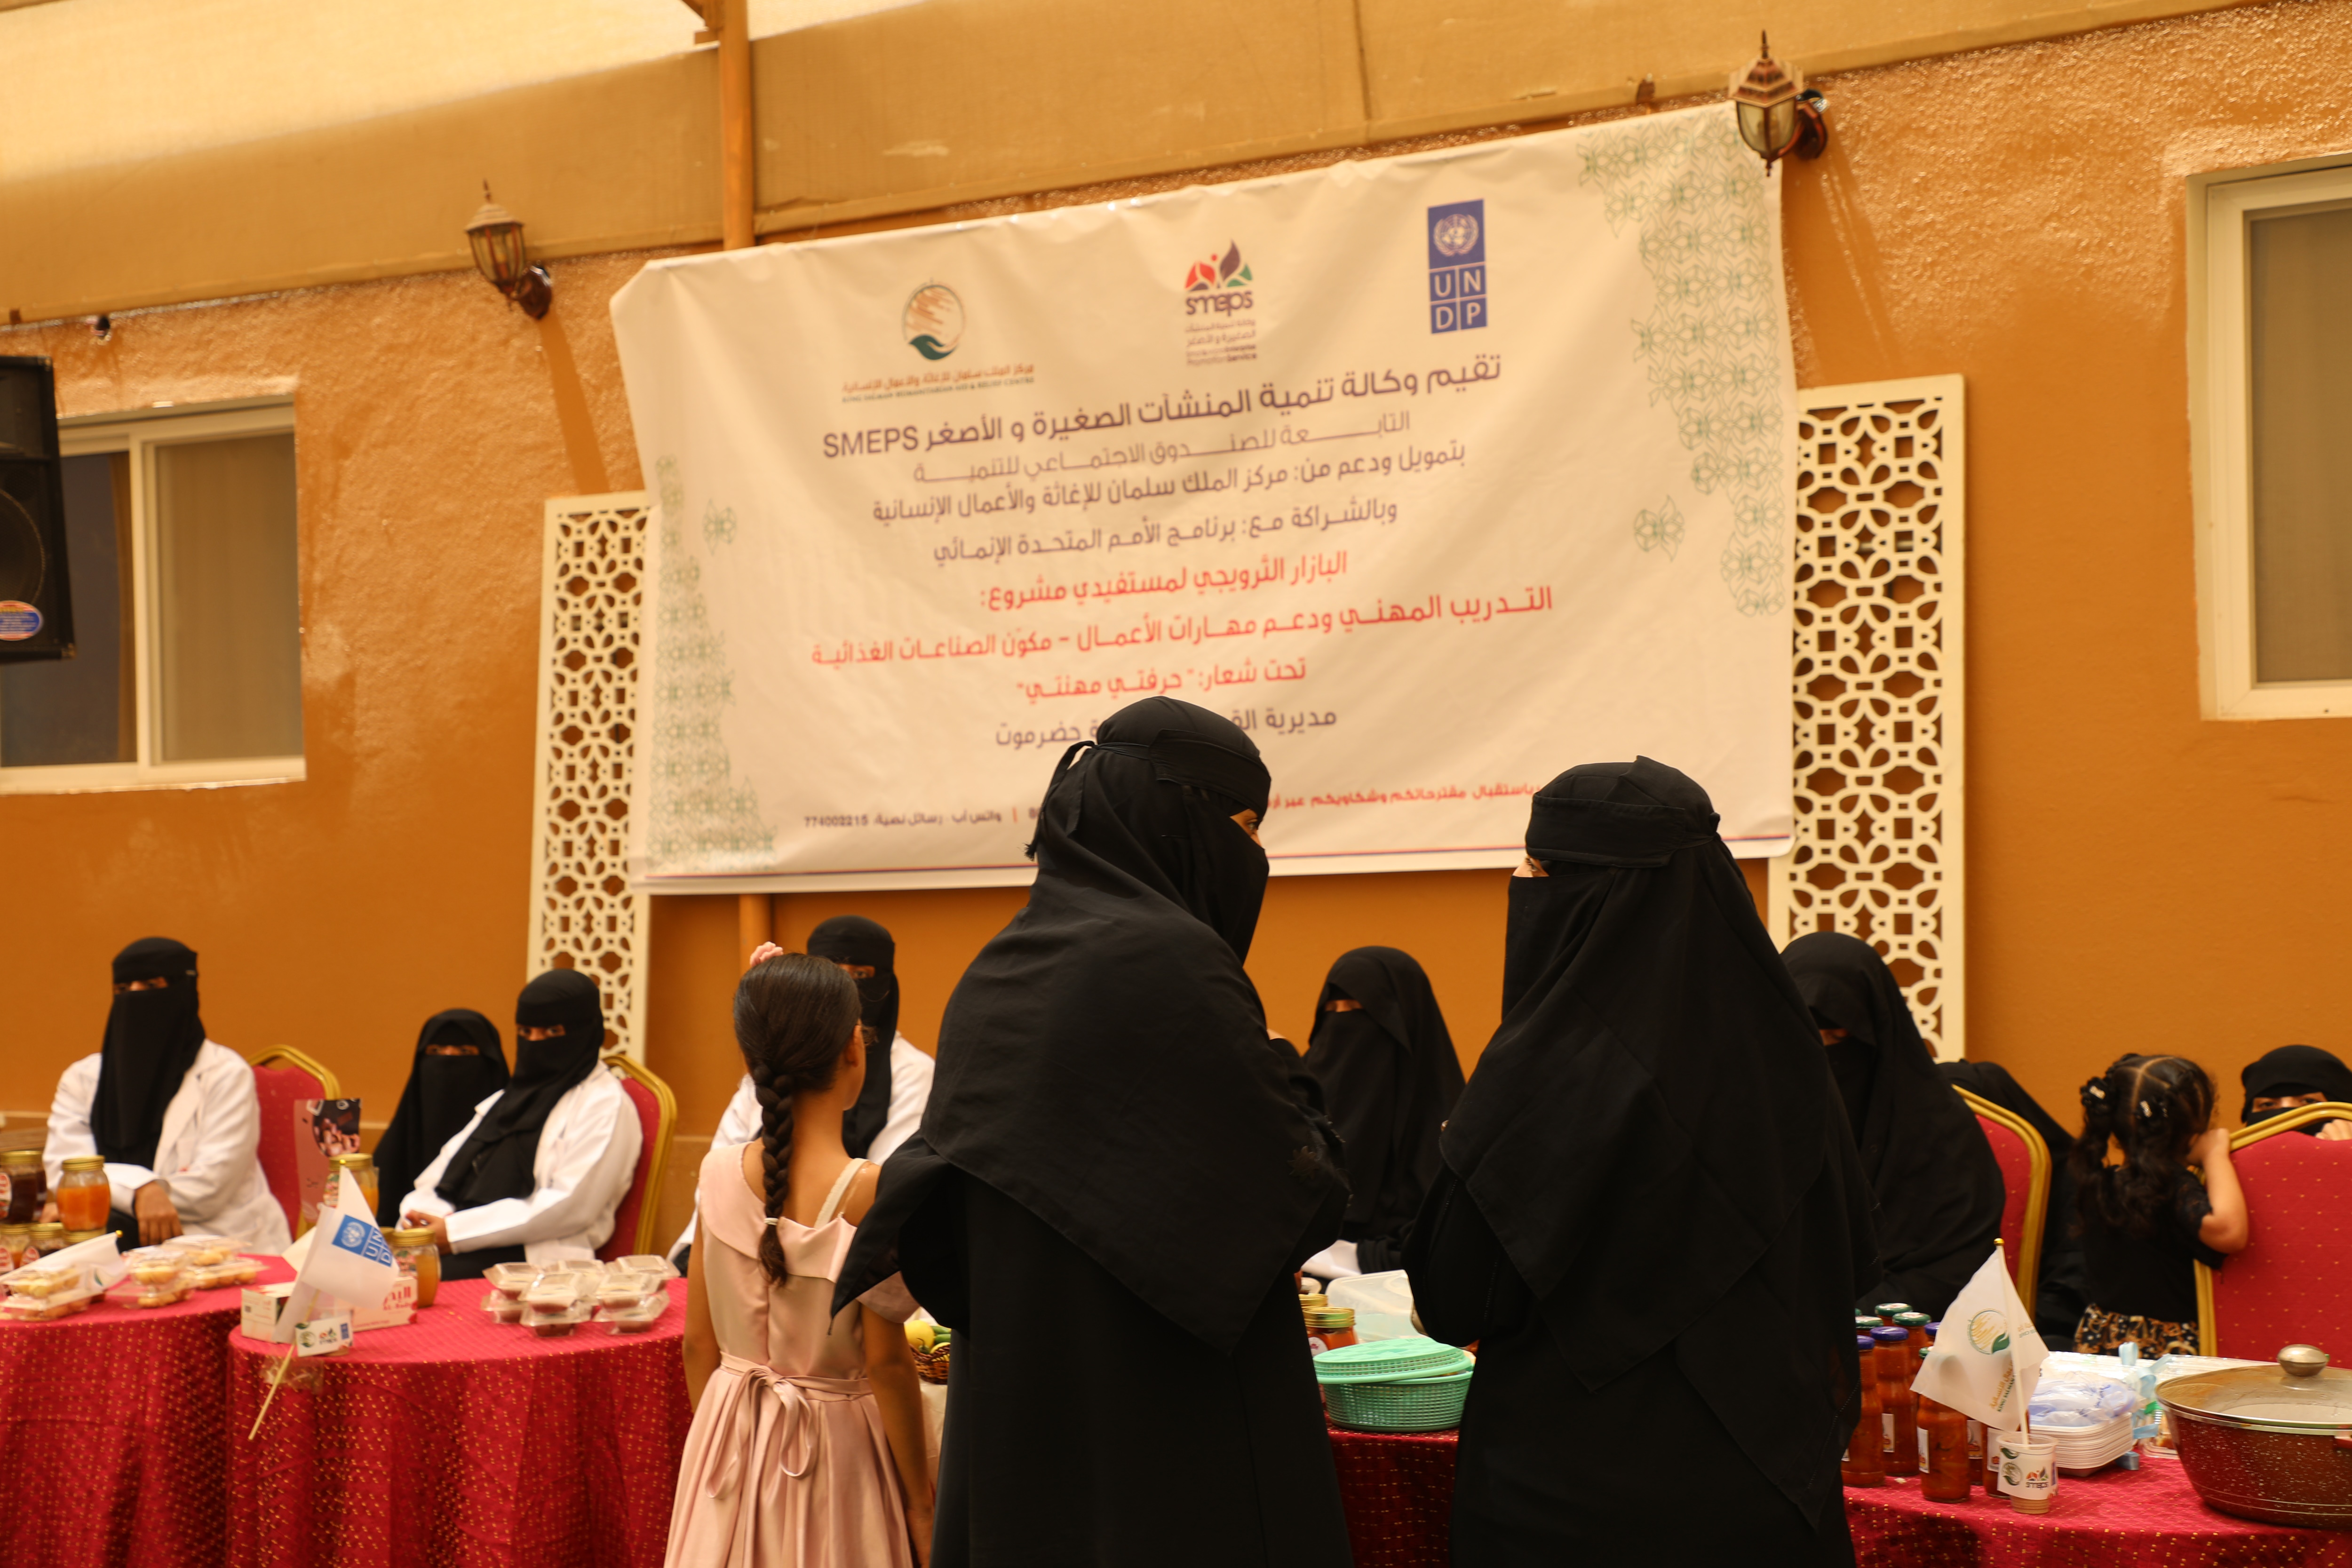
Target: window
187,667
2271,402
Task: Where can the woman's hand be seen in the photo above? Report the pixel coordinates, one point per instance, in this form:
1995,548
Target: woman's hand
159,1219
438,1225
919,1530
762,953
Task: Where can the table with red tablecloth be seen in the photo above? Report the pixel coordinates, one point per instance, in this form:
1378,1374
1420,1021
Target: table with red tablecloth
113,1433
1398,1492
461,1441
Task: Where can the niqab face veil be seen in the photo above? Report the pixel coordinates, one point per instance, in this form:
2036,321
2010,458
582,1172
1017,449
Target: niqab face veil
438,1101
1653,1135
854,938
1104,1062
1938,1186
1390,1078
2292,1070
496,1161
152,1037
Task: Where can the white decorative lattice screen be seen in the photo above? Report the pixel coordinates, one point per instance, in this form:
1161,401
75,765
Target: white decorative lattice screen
584,912
1877,686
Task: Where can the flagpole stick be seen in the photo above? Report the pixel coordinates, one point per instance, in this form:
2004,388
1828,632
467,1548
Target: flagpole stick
277,1382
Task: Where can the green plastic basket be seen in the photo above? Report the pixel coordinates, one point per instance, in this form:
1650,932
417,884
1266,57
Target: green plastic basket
1384,1361
1407,1404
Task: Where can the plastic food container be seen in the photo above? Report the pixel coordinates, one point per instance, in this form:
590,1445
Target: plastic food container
637,1319
2268,1443
555,1323
40,1281
169,1293
650,1264
511,1279
47,1308
153,1265
213,1277
553,1292
203,1251
624,1289
503,1309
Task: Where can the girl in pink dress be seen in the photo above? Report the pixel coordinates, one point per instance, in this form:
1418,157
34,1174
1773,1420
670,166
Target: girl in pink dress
807,1444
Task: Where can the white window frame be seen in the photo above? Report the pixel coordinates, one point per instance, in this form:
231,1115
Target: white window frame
2219,206
139,434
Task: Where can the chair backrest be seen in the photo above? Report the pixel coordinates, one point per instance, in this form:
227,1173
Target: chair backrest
2293,1284
282,1077
633,1222
2024,1160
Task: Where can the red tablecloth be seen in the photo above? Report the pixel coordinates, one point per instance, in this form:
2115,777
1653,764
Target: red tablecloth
2117,1519
455,1441
111,1436
1398,1491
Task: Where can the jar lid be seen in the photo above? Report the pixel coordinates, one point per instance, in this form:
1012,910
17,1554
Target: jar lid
1336,1318
87,1162
48,1230
1912,1320
1891,1336
404,1237
352,1159
1865,1343
1888,1308
73,1237
20,1157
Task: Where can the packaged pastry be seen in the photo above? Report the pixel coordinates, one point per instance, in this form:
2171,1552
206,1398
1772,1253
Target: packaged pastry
215,1276
49,1308
154,1264
553,1323
154,1293
41,1281
511,1279
203,1251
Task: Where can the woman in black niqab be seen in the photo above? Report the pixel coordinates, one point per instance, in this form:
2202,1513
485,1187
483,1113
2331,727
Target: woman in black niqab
1116,1164
439,1099
1390,1078
855,940
2290,1073
153,1037
1650,1213
1937,1184
496,1162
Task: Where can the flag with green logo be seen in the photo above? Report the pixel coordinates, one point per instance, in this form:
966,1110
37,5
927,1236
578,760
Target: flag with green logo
1987,1356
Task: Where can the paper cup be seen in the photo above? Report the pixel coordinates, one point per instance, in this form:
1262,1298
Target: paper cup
2028,1470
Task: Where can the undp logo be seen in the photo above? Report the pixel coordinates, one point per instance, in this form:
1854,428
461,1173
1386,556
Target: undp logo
352,1236
1457,267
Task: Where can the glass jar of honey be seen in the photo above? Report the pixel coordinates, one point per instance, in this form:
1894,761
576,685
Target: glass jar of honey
28,1185
13,1240
413,1252
83,1194
363,1172
45,1239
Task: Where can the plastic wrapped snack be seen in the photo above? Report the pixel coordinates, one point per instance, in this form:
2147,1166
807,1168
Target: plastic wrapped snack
555,1293
622,1289
503,1309
153,1265
548,1323
205,1251
651,1264
49,1308
511,1279
40,1281
213,1277
637,1319
154,1293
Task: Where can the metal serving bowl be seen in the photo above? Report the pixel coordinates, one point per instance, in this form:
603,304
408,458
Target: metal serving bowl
2272,1444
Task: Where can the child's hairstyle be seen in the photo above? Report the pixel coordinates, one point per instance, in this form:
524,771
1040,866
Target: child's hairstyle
2153,1108
795,1017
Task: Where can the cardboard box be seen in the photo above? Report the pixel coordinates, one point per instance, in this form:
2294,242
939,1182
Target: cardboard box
323,1336
264,1304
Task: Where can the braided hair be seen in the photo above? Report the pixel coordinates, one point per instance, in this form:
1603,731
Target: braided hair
795,1017
2153,1108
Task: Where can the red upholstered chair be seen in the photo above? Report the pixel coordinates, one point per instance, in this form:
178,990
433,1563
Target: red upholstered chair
634,1221
2293,1284
2024,1160
281,1077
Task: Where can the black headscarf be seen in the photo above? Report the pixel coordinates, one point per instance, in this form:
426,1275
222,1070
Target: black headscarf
1991,1080
438,1100
2294,1069
1652,1135
1390,1080
151,1041
1104,1062
496,1162
1938,1187
854,938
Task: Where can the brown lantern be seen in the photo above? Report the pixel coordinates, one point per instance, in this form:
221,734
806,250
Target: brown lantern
495,236
1778,118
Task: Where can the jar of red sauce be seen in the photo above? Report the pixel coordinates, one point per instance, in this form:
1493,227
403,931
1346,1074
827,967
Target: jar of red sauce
1864,1464
83,1194
1946,1469
1330,1329
1891,1355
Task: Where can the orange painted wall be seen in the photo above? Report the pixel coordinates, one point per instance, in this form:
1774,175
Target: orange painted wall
2139,878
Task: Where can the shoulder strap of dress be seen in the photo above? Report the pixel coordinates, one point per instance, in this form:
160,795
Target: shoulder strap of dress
840,1190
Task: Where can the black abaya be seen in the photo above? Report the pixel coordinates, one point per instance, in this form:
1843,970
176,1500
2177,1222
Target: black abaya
1115,1175
2063,1282
438,1101
1650,1216
1389,1079
1938,1186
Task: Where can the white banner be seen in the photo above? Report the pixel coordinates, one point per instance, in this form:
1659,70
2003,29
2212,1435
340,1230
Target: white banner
1438,474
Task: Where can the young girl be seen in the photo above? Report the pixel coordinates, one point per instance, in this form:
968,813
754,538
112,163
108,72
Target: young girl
2146,1218
807,1444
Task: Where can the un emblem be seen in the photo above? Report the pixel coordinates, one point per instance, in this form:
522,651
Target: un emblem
352,1236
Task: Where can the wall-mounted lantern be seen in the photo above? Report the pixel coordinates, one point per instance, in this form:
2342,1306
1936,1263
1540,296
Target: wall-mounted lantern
495,236
1778,118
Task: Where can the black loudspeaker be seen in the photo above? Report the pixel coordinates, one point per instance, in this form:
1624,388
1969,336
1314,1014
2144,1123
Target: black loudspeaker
36,595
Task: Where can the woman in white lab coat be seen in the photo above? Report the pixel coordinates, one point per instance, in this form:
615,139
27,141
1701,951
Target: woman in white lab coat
174,1115
538,1173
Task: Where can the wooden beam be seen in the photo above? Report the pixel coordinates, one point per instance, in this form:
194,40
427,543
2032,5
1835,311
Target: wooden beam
736,168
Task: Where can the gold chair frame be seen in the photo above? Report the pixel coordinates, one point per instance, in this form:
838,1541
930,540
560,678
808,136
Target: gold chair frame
664,1126
2208,1334
329,1083
2037,1191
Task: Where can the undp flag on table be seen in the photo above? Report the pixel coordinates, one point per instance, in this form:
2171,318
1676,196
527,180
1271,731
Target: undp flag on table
349,1259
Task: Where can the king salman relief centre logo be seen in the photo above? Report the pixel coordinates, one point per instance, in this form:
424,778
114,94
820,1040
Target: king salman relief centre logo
933,320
